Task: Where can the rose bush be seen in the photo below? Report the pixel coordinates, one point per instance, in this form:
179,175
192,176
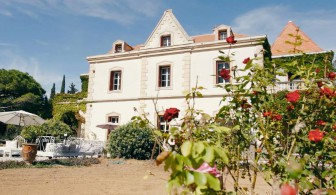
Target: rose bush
286,136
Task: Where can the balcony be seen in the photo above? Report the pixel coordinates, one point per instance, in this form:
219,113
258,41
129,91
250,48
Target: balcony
286,85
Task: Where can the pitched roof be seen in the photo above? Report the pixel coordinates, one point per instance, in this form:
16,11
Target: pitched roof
291,34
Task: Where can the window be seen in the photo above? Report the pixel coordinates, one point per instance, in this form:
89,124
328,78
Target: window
118,48
164,76
115,80
222,35
162,124
165,41
219,66
113,119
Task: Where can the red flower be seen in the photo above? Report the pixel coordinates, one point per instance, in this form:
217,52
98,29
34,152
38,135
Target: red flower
293,96
246,60
290,107
320,122
231,40
317,70
315,135
170,114
277,117
287,189
267,114
331,75
225,74
319,84
326,91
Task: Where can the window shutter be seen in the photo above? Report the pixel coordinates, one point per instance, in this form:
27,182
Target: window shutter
111,80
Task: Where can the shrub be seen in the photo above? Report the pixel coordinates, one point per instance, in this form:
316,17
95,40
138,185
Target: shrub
131,141
51,127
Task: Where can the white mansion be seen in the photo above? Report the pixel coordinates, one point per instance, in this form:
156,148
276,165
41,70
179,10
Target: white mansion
128,78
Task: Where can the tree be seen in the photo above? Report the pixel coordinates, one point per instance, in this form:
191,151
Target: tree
53,92
20,91
72,88
63,85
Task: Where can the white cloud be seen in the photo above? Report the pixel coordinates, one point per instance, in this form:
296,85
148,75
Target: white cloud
46,77
317,24
125,11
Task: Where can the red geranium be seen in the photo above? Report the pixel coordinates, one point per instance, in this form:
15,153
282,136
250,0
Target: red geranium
225,74
326,91
276,117
170,114
334,127
231,40
246,60
315,135
267,114
319,84
331,75
320,122
293,96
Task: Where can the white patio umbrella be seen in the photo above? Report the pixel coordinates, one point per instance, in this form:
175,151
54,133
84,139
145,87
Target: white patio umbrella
111,126
21,118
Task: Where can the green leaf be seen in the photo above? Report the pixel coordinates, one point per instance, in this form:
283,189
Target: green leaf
222,154
189,178
213,182
200,179
186,148
209,154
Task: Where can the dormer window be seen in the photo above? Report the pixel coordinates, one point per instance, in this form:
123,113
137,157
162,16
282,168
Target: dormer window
222,34
118,48
165,41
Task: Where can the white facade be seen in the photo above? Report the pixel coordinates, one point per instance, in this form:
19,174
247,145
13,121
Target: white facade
136,71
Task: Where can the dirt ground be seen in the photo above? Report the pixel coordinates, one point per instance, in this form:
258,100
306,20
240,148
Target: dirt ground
117,177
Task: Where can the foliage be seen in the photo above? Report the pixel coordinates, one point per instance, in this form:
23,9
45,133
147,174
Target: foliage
52,92
72,89
50,127
63,85
288,137
131,141
20,91
49,163
10,133
85,82
67,107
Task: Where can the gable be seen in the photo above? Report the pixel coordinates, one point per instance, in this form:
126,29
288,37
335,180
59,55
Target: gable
288,34
168,25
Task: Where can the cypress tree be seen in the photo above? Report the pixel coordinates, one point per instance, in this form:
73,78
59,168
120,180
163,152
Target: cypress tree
63,85
53,92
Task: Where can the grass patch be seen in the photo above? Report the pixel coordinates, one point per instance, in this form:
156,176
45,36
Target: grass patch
50,163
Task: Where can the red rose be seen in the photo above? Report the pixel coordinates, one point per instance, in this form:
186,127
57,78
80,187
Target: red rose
246,60
319,84
287,189
331,75
326,91
277,117
315,135
290,107
321,122
293,96
170,114
231,40
267,114
225,74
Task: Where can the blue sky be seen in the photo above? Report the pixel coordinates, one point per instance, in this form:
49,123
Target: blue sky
49,38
